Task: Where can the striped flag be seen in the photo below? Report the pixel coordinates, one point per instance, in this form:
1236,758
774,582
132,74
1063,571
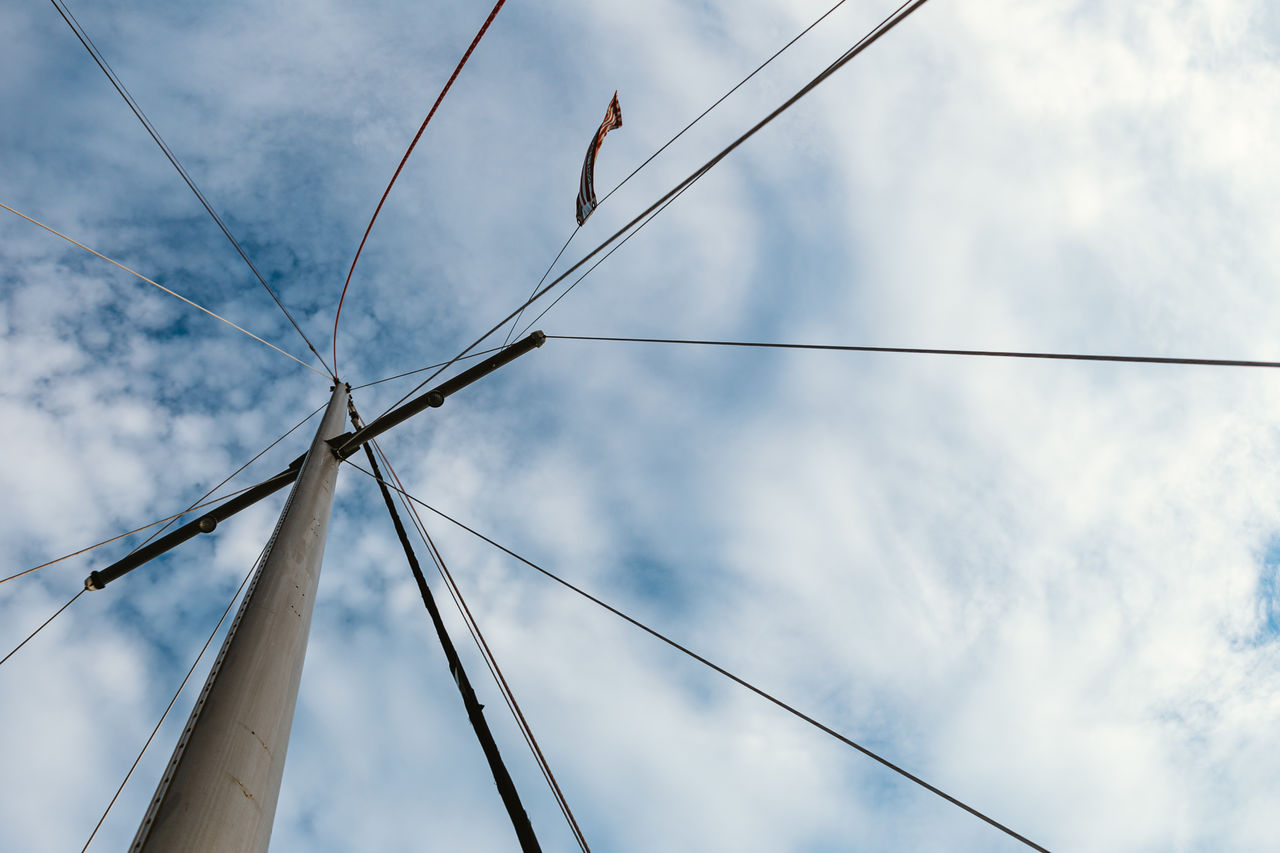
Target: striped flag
586,187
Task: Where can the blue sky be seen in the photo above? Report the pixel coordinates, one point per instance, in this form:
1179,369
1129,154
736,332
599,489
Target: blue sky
1047,588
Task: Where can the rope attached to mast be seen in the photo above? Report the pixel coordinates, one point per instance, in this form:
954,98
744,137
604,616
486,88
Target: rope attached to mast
506,788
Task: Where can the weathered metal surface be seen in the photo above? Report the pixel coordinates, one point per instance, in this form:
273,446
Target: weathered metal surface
220,790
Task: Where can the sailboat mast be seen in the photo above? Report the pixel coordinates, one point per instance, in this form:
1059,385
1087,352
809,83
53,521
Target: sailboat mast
220,789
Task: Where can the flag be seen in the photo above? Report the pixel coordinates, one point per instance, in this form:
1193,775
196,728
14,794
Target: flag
586,187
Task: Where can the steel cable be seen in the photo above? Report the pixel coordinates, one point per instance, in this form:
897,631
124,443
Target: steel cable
727,674
43,625
129,533
232,475
892,20
486,654
1056,356
106,68
165,289
654,156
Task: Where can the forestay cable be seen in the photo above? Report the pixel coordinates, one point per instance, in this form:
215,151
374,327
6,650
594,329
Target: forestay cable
1057,356
727,674
102,63
896,17
165,289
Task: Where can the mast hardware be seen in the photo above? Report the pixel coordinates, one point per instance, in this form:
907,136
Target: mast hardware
343,446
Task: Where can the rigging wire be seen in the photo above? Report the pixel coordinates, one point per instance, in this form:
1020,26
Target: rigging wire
547,272
892,20
172,701
129,533
454,76
165,289
232,476
422,369
654,156
102,63
721,100
600,261
199,503
486,654
724,672
1059,356
42,626
491,663
475,711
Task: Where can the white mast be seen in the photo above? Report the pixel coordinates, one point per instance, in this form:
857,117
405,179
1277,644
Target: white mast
220,789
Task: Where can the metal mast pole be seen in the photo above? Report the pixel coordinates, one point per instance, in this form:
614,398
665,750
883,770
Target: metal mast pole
220,790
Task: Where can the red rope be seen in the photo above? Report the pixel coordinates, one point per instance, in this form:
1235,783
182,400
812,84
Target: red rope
489,20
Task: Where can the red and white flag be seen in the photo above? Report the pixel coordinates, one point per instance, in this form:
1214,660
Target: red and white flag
586,187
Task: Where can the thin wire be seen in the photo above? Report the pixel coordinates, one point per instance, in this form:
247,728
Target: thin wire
200,503
508,694
423,369
169,707
1060,356
600,261
892,20
102,63
547,272
487,654
722,671
42,626
501,776
165,289
130,533
723,98
454,76
654,156
233,474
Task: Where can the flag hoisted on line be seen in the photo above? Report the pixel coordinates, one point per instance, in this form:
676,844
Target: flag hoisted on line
586,187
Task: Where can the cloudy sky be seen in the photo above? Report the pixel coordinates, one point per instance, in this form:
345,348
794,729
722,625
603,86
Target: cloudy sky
1050,589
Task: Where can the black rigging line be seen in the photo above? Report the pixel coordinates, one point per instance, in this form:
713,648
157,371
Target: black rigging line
119,86
892,20
42,627
1058,356
504,689
508,695
654,156
506,787
172,701
722,671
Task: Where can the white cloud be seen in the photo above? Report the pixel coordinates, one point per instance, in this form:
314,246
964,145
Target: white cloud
1038,585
